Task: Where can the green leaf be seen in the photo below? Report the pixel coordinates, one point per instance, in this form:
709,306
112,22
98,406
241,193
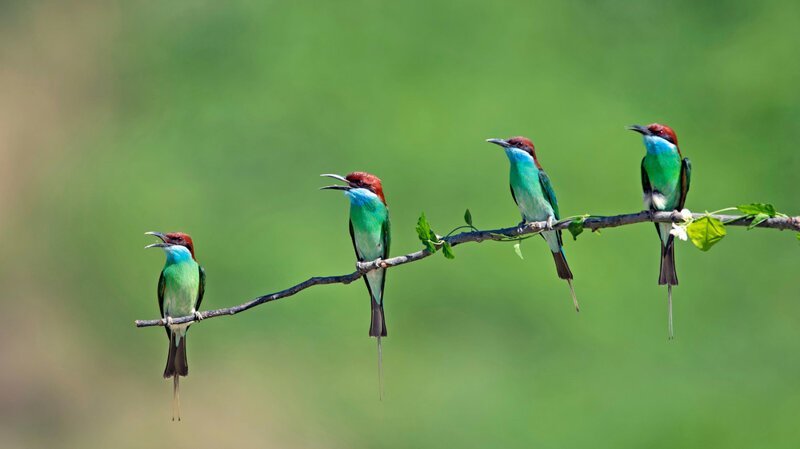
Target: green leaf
757,220
576,227
468,217
798,236
423,228
425,234
518,249
447,250
432,236
706,232
758,208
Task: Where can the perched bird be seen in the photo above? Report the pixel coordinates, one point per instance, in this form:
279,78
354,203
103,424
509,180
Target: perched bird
536,199
369,231
180,290
665,183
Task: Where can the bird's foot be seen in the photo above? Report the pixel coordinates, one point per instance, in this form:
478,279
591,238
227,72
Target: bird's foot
550,222
197,316
168,321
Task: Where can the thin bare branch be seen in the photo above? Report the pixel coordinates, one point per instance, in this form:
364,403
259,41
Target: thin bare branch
592,222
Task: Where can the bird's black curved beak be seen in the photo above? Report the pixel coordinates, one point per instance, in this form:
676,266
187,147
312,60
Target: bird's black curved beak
336,187
640,129
162,244
500,142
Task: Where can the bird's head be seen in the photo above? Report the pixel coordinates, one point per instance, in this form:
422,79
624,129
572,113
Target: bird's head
657,135
517,147
175,244
358,184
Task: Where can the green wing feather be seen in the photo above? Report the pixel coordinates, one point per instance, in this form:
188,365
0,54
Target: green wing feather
353,239
549,193
686,178
647,189
201,289
387,241
387,237
162,285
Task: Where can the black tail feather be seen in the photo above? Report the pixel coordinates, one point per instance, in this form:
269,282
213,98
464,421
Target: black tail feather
176,358
667,274
561,265
377,327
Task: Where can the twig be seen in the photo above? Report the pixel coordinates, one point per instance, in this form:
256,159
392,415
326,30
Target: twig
592,222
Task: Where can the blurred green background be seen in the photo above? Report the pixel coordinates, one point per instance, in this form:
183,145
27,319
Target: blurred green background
216,118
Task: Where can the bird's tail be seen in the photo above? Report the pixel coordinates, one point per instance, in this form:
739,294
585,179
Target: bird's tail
380,370
565,273
377,327
669,312
177,366
667,275
561,265
176,397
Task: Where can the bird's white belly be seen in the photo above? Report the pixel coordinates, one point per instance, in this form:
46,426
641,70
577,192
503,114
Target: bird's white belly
655,200
533,207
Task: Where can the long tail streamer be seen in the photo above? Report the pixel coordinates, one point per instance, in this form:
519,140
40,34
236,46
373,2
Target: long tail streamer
574,298
176,397
669,309
380,370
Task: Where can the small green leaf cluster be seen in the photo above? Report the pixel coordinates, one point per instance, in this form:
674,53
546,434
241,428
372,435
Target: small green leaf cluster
430,240
758,212
576,226
707,231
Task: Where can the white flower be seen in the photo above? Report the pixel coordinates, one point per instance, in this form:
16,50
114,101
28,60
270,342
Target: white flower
686,214
679,231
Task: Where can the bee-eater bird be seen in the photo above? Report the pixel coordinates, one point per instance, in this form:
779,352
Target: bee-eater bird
536,199
370,233
665,183
180,290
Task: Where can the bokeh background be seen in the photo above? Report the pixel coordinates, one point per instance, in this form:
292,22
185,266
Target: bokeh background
216,118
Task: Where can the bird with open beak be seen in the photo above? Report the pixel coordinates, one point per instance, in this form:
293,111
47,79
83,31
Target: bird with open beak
370,233
665,184
535,198
181,286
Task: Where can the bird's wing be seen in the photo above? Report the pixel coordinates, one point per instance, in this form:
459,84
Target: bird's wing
512,194
353,239
686,177
386,236
162,285
647,189
549,193
201,289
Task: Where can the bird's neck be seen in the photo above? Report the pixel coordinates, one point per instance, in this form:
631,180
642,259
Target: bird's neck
364,198
178,255
520,160
657,146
